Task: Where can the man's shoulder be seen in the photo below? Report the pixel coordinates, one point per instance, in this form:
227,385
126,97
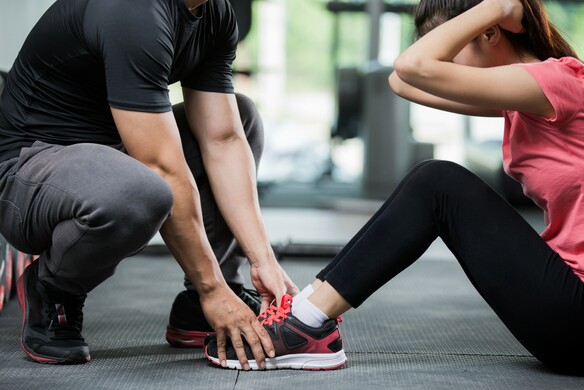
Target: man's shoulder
219,7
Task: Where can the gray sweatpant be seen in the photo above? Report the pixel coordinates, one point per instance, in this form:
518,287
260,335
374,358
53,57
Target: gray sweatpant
85,207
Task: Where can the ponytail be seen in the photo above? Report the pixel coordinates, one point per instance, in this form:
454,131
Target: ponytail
542,39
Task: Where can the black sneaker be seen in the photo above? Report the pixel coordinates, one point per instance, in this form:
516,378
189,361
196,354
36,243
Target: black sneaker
51,326
250,297
188,327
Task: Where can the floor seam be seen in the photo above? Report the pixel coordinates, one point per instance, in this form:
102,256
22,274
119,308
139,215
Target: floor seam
438,354
236,380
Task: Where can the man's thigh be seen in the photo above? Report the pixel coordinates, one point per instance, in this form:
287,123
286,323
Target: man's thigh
52,183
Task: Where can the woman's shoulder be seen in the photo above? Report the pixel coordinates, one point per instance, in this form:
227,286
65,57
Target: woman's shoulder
571,65
562,81
558,73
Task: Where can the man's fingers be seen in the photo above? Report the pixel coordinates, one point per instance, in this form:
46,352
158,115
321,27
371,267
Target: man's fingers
253,339
292,289
221,348
264,338
239,348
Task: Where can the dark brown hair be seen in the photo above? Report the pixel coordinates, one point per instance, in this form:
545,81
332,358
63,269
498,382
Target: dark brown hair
541,39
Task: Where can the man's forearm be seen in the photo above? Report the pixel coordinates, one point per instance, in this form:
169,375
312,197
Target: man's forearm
232,174
185,236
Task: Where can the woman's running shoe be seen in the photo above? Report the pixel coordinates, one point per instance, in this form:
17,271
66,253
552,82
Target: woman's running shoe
297,346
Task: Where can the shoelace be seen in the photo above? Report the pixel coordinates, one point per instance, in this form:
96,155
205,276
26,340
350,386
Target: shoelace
268,312
276,313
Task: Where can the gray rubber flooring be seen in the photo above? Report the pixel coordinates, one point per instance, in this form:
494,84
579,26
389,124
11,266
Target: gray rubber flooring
427,329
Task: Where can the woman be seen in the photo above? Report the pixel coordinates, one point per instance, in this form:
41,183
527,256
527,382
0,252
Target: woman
491,57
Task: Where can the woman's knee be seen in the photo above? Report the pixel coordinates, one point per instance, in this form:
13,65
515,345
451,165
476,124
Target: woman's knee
438,173
438,167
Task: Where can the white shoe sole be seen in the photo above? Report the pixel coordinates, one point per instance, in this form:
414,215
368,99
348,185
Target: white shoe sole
301,361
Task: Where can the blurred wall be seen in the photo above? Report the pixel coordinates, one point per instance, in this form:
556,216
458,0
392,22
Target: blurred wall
17,17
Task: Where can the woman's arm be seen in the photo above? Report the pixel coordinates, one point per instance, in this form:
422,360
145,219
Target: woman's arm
432,78
426,99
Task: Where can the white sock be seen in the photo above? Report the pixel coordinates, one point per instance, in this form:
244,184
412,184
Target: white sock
302,295
307,313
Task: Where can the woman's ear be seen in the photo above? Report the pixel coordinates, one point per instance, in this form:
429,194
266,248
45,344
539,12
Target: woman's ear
492,35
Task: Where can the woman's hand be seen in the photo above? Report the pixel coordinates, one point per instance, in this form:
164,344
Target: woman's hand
513,13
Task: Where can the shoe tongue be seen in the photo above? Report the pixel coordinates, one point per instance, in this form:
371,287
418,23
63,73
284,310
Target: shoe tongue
66,321
276,313
66,313
286,302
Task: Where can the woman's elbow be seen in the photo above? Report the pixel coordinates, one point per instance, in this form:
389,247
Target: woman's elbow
396,84
408,68
393,80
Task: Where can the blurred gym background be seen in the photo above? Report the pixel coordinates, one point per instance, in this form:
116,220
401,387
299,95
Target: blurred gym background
337,138
318,70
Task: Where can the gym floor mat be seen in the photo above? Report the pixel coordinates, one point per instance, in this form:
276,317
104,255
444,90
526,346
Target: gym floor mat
426,329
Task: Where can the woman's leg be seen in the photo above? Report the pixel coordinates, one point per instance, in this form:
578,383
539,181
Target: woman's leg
527,284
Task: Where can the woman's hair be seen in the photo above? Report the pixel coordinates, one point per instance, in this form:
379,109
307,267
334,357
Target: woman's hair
541,38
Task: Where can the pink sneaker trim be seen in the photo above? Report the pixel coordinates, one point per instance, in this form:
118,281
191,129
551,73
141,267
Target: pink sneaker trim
186,338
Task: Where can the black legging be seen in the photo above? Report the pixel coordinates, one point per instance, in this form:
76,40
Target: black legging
534,292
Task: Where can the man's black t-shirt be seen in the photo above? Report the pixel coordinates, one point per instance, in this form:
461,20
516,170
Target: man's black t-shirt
85,56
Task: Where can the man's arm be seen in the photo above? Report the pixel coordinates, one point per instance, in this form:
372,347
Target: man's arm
153,139
215,122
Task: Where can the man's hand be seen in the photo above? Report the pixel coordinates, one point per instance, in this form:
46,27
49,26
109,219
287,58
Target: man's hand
232,319
271,282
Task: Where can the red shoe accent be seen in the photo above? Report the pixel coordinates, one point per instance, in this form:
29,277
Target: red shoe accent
2,289
186,338
22,302
20,263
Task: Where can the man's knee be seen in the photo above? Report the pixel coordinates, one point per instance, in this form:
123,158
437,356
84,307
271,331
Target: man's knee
153,200
252,124
138,208
250,119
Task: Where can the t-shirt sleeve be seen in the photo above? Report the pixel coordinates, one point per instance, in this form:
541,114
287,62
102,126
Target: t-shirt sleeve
562,81
137,53
215,73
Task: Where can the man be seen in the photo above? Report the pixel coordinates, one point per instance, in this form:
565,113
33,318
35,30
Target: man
94,163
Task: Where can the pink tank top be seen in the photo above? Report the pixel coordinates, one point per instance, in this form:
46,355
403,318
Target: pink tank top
547,156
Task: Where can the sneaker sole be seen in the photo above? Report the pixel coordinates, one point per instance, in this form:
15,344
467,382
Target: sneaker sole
186,338
71,359
301,361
